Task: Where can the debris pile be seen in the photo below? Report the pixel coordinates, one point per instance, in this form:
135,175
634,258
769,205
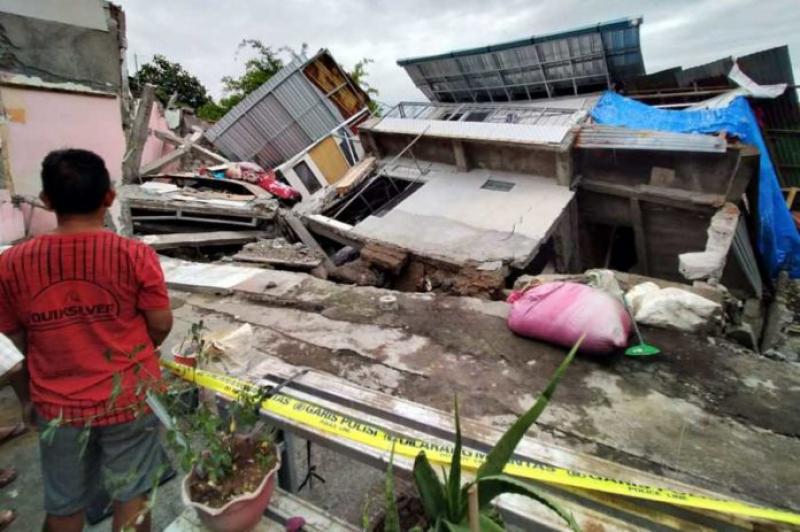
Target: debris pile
279,253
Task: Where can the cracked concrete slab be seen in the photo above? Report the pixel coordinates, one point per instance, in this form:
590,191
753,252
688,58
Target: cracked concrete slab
716,416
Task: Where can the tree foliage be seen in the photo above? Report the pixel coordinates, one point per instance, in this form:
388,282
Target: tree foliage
170,78
258,69
359,75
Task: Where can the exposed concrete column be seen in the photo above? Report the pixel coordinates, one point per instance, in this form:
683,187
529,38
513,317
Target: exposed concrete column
564,167
639,235
566,240
137,136
461,156
368,140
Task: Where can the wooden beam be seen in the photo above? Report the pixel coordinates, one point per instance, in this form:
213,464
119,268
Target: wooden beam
168,136
639,235
681,199
137,136
163,161
210,154
307,238
354,175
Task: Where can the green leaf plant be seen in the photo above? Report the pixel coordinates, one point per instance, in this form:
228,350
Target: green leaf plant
446,503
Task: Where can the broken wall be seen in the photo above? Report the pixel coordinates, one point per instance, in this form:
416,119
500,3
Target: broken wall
520,158
58,52
664,200
154,148
39,121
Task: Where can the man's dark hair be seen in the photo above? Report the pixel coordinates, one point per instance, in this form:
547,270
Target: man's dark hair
75,181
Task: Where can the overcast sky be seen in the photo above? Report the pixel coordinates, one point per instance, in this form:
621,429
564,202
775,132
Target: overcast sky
203,35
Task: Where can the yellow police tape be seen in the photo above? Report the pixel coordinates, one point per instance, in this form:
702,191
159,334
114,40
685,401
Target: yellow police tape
326,420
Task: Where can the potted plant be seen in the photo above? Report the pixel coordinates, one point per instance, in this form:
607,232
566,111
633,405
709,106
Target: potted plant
230,459
451,506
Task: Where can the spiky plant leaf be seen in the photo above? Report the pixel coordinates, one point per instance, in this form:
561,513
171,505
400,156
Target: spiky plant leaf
455,504
501,453
431,491
392,518
491,487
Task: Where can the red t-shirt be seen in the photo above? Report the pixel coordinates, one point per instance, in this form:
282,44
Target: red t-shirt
79,298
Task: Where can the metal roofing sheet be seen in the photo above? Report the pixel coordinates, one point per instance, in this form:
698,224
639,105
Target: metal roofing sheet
283,116
611,137
576,61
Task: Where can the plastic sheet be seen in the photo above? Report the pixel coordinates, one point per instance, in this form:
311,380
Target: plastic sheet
778,238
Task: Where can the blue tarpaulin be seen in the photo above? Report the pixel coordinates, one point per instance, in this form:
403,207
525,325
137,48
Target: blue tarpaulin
778,239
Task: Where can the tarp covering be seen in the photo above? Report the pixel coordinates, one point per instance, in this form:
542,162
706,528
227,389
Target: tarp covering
778,239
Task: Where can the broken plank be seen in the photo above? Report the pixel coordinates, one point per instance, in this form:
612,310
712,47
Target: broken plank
307,238
210,154
168,136
210,238
164,160
354,175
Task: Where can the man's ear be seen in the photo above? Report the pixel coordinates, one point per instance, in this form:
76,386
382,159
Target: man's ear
110,197
45,200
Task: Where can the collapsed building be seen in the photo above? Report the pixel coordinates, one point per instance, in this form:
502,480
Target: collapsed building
61,84
513,169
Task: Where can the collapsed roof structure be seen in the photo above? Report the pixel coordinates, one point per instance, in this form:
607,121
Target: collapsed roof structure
310,104
577,61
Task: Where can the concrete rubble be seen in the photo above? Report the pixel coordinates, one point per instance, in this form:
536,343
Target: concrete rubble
278,252
670,416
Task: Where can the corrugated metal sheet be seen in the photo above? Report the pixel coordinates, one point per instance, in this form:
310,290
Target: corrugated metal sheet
578,61
610,137
279,119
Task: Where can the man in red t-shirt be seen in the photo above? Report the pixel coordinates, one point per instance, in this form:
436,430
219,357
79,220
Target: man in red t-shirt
88,309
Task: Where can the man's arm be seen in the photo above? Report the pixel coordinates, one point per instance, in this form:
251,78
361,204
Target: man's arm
19,379
153,299
159,324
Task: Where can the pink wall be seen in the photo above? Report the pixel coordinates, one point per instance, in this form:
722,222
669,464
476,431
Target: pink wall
40,121
154,147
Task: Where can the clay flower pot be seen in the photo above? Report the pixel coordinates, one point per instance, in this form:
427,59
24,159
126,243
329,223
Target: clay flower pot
239,514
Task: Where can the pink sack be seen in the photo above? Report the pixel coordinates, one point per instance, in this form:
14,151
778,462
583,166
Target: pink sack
561,312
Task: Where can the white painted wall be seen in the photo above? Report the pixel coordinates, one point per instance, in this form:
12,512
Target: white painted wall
84,13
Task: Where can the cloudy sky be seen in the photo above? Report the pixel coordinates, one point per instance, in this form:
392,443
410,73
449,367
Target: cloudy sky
203,35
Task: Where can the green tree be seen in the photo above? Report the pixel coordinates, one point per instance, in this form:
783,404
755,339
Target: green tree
359,75
264,64
257,70
170,78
